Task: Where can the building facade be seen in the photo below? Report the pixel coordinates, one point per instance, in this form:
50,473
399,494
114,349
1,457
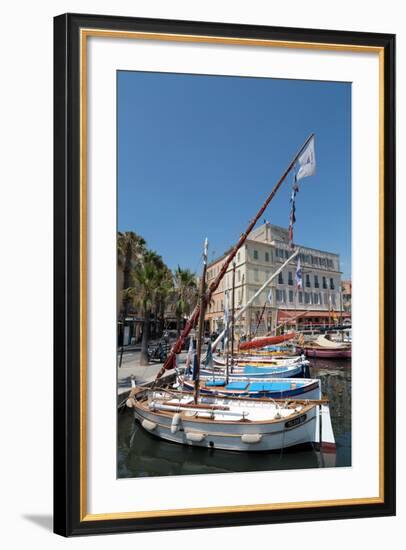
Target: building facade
346,288
280,303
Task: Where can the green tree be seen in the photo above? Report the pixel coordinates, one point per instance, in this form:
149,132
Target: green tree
147,277
130,250
186,293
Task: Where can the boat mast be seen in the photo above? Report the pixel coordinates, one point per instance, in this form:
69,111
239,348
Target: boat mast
232,316
214,285
200,332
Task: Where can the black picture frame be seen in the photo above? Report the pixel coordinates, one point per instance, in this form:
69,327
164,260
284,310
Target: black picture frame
67,351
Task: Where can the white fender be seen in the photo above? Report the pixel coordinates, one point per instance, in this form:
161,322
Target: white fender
148,425
175,423
196,437
129,403
251,438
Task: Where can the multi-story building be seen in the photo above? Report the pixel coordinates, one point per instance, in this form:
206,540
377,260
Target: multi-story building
318,303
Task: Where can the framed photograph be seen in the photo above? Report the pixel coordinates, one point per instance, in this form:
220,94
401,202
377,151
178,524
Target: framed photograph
224,274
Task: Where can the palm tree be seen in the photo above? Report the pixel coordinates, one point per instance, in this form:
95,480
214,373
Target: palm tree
148,276
130,249
164,292
186,293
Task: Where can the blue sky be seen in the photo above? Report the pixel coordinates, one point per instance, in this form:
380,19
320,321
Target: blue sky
197,156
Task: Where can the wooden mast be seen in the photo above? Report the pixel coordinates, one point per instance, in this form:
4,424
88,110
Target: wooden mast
214,285
200,332
232,316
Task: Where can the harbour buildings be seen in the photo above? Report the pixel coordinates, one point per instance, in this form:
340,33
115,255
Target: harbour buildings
316,305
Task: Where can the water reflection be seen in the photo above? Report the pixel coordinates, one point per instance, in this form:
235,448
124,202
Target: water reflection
140,454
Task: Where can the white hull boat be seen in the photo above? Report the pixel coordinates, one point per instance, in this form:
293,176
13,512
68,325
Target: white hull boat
232,424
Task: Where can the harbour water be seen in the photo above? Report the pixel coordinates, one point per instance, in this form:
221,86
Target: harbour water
140,454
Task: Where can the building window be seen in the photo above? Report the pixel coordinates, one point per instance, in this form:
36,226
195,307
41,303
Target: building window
239,296
255,254
290,296
300,297
308,280
238,276
331,284
256,275
222,305
333,300
290,278
280,295
267,256
280,278
324,282
315,298
316,281
238,257
307,298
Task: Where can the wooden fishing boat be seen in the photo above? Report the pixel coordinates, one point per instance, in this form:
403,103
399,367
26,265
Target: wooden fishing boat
253,371
324,348
277,388
260,361
321,353
227,423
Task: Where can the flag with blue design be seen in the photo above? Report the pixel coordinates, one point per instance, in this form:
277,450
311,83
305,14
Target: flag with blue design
292,219
298,276
307,161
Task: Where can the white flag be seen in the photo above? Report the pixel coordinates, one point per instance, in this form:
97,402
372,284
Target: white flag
307,161
298,275
270,296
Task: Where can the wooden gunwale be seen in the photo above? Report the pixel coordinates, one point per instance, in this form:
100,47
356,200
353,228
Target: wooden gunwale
223,391
169,414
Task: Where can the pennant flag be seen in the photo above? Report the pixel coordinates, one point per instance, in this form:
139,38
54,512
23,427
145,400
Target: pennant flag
270,296
295,190
189,356
298,276
195,367
307,161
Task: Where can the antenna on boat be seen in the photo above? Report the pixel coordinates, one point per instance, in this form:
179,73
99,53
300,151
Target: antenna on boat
215,283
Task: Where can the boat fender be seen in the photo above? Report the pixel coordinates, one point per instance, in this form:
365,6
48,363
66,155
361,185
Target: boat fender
251,438
175,423
196,437
130,403
148,425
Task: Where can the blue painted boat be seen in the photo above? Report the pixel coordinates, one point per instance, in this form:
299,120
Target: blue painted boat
276,388
244,371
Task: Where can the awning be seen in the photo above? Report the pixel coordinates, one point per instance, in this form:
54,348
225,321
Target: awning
284,315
